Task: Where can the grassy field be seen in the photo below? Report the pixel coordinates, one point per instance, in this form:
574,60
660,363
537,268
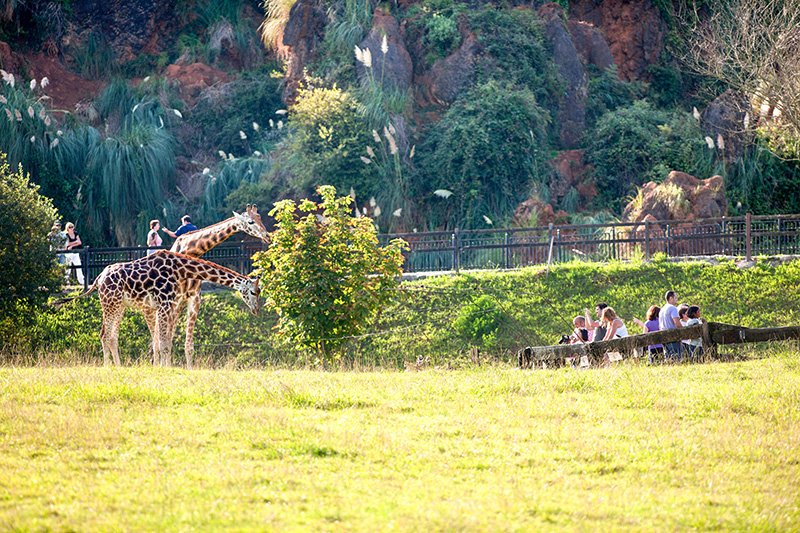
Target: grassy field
435,317
628,448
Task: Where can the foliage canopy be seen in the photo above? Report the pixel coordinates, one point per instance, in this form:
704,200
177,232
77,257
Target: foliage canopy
28,269
325,273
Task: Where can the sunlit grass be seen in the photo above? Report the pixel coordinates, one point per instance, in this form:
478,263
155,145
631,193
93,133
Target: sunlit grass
627,448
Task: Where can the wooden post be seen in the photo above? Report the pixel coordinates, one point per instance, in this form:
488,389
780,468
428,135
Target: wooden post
550,251
647,240
748,237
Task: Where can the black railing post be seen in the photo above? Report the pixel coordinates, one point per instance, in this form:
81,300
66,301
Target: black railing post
84,256
456,251
748,232
506,250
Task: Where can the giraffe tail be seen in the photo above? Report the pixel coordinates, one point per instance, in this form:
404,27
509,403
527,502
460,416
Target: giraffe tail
59,303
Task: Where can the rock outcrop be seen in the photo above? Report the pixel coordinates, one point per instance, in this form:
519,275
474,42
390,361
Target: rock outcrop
728,118
534,213
129,27
572,109
571,172
9,60
304,30
679,197
394,67
590,44
450,76
633,29
192,79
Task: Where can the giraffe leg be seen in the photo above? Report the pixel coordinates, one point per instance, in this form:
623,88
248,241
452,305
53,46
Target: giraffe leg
163,316
109,333
191,318
150,320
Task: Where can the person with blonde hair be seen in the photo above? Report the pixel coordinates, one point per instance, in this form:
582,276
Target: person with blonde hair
73,259
615,327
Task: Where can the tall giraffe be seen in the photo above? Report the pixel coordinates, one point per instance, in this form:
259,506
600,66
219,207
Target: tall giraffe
195,244
156,284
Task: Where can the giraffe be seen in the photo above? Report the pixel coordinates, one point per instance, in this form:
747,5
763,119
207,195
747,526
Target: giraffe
154,284
196,243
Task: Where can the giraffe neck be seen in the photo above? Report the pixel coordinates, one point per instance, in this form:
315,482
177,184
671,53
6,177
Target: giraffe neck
200,270
201,241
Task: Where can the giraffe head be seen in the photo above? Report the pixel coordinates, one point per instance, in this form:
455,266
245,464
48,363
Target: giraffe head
250,222
248,288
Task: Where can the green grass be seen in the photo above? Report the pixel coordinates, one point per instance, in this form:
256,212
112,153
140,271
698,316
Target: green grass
703,447
530,307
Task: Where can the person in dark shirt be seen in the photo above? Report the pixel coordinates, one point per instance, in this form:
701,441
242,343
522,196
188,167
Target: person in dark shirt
185,228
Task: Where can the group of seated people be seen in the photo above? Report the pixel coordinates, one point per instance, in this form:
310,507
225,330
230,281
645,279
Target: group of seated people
610,326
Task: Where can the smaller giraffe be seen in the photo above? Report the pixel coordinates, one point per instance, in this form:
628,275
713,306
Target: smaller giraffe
195,244
153,284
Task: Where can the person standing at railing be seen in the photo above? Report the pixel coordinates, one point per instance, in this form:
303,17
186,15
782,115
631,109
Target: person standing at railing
74,259
58,241
154,240
185,228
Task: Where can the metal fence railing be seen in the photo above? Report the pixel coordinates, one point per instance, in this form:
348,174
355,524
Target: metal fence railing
518,247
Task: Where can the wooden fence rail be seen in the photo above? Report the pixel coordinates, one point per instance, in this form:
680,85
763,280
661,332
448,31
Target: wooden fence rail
712,334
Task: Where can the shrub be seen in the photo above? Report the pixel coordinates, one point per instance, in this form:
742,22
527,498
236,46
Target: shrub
326,276
226,109
637,143
479,321
487,150
29,271
327,139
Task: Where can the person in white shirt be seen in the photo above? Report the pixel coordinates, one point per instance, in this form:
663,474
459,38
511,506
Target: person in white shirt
668,319
615,327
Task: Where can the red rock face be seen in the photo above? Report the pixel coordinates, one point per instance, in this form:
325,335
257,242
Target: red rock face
9,61
633,29
700,199
571,172
194,78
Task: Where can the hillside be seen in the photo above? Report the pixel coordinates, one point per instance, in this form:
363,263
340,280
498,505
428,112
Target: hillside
433,114
442,318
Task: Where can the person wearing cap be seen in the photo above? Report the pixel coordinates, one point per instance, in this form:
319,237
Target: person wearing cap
58,241
185,228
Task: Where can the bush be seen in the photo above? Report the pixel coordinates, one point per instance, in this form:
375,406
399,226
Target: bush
637,143
479,321
326,277
29,271
225,110
328,136
487,150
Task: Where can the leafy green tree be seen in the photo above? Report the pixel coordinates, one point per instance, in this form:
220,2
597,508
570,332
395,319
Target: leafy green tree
29,271
328,137
324,272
